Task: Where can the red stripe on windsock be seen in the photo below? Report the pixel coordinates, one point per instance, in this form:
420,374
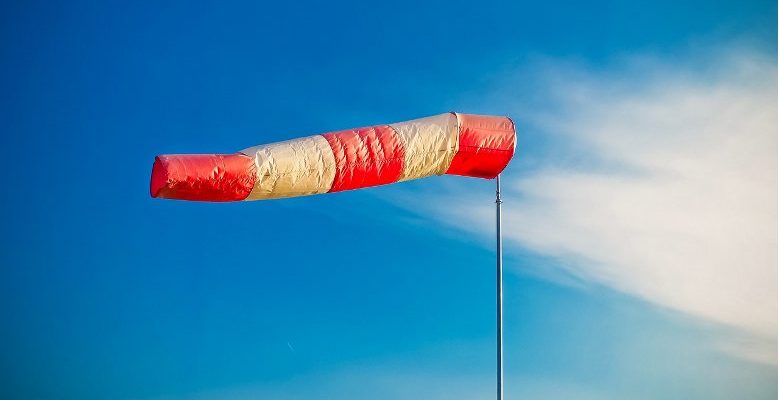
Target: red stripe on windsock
486,144
203,177
366,157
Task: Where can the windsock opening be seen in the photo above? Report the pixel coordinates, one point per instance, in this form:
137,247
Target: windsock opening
486,144
203,177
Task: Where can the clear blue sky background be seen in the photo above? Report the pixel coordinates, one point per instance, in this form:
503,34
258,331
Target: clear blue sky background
107,293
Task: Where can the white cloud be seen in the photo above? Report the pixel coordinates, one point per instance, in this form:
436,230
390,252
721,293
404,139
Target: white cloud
661,183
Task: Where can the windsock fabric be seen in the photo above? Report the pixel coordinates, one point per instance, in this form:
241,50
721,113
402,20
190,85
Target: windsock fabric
453,143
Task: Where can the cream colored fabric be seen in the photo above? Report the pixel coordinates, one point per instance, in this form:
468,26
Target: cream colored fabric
431,143
292,168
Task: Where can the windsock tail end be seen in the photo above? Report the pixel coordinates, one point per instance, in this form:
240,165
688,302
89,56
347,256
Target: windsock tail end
202,177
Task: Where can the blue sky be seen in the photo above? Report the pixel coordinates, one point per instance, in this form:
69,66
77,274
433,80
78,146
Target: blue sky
388,293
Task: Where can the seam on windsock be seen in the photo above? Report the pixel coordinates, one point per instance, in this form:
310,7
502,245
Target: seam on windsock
457,143
401,139
335,163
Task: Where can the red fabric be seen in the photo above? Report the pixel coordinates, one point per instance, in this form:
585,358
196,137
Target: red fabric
203,177
486,144
366,157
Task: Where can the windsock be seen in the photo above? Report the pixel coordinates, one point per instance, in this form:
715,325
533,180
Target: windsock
453,143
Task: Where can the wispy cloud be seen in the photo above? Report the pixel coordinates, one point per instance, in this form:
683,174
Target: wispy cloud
659,179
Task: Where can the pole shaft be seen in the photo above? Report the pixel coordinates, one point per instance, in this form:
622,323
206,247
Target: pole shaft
499,297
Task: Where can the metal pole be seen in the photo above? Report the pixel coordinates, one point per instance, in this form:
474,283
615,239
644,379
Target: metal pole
499,297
